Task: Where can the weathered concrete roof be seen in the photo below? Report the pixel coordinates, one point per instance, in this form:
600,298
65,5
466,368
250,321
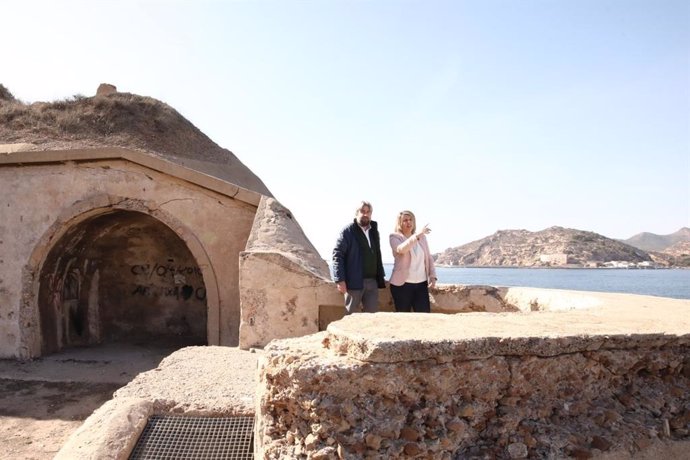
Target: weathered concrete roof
154,162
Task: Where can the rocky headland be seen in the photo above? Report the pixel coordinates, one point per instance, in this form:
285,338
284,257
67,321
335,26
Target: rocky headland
566,247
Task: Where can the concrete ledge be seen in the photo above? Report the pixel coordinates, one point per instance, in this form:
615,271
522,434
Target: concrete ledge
18,147
111,432
620,321
539,299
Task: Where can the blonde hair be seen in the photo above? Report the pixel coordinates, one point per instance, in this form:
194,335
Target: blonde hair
398,223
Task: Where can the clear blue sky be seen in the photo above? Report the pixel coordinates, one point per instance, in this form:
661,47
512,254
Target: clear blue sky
476,115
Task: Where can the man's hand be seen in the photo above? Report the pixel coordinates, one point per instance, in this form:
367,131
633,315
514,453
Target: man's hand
342,287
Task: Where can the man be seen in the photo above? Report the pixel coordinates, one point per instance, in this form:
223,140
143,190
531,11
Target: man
357,266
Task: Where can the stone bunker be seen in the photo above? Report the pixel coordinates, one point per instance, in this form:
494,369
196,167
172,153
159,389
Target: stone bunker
107,245
119,222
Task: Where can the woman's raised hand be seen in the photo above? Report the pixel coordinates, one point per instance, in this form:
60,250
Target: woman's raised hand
424,231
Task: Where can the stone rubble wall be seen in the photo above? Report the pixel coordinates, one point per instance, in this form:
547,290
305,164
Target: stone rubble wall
477,386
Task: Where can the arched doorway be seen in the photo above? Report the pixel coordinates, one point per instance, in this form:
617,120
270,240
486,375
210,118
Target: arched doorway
122,276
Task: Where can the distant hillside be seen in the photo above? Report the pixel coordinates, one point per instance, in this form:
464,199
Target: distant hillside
677,255
555,246
679,249
653,242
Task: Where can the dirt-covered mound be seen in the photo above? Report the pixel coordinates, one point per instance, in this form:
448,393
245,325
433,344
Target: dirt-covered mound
120,120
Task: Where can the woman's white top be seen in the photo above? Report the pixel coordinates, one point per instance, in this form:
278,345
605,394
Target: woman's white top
417,270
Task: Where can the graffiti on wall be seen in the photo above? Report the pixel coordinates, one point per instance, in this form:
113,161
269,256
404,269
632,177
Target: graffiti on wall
164,270
177,275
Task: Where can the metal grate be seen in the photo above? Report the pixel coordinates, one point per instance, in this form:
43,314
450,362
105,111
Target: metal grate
178,437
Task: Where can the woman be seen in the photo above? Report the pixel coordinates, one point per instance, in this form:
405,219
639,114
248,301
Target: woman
413,269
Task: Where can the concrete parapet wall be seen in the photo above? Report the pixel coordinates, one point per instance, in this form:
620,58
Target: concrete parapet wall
286,288
282,296
578,383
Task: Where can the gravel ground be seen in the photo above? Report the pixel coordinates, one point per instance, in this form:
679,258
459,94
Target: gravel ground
217,380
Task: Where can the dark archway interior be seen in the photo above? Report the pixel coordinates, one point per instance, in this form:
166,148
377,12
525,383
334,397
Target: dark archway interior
121,277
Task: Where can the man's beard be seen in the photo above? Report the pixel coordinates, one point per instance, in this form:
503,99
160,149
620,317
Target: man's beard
364,221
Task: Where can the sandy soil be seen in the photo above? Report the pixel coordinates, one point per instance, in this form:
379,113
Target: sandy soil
36,418
42,402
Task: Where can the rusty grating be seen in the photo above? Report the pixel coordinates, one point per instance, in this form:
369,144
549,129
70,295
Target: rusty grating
179,437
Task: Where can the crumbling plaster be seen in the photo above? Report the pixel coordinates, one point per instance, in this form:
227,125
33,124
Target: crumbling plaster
43,198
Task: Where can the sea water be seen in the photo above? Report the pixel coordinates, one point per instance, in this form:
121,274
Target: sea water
674,283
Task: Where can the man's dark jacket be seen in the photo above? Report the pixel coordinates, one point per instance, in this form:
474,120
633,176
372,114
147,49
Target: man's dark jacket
347,256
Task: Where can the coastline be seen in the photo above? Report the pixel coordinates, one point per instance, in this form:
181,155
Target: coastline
562,267
666,282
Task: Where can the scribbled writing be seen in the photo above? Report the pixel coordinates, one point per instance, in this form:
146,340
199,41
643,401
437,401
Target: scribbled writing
179,279
163,270
185,292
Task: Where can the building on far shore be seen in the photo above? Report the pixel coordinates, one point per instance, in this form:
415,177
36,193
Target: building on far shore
554,259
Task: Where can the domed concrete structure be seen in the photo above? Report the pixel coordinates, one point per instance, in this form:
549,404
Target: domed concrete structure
120,221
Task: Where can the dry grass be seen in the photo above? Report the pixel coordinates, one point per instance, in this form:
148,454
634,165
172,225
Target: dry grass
119,119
